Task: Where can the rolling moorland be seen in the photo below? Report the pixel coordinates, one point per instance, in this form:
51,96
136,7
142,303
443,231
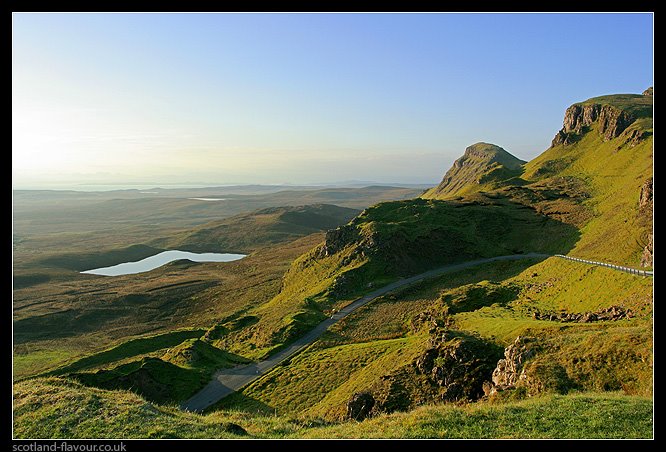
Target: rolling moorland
531,348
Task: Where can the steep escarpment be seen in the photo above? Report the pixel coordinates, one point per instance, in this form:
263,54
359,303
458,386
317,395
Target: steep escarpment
612,122
613,115
482,165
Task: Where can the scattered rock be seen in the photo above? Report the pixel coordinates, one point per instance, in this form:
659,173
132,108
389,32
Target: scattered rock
610,313
360,405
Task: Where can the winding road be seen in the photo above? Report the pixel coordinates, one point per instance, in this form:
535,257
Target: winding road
227,381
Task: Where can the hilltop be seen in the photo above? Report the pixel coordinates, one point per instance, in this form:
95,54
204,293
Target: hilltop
483,165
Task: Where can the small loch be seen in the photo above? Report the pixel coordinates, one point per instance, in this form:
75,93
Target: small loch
153,262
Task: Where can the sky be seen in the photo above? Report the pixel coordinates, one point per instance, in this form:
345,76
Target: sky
205,99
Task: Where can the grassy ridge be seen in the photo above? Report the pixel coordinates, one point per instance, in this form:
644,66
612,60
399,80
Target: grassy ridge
75,411
129,349
173,377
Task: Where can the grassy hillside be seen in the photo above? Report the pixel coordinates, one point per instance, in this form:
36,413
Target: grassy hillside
613,172
495,303
580,198
249,231
388,241
56,408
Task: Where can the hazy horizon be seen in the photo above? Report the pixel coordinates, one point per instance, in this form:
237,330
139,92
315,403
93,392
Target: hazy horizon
301,99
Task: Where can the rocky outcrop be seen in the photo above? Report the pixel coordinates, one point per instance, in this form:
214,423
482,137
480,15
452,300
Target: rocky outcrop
510,369
360,405
632,137
645,197
458,366
610,313
337,239
649,91
577,118
453,368
647,258
521,368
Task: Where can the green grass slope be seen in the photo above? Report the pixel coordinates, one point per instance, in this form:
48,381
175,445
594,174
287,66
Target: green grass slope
173,377
614,172
57,408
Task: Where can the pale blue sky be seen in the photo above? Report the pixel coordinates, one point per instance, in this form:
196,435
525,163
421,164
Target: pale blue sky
302,98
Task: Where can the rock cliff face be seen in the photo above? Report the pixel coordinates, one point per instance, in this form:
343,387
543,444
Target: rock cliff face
612,122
